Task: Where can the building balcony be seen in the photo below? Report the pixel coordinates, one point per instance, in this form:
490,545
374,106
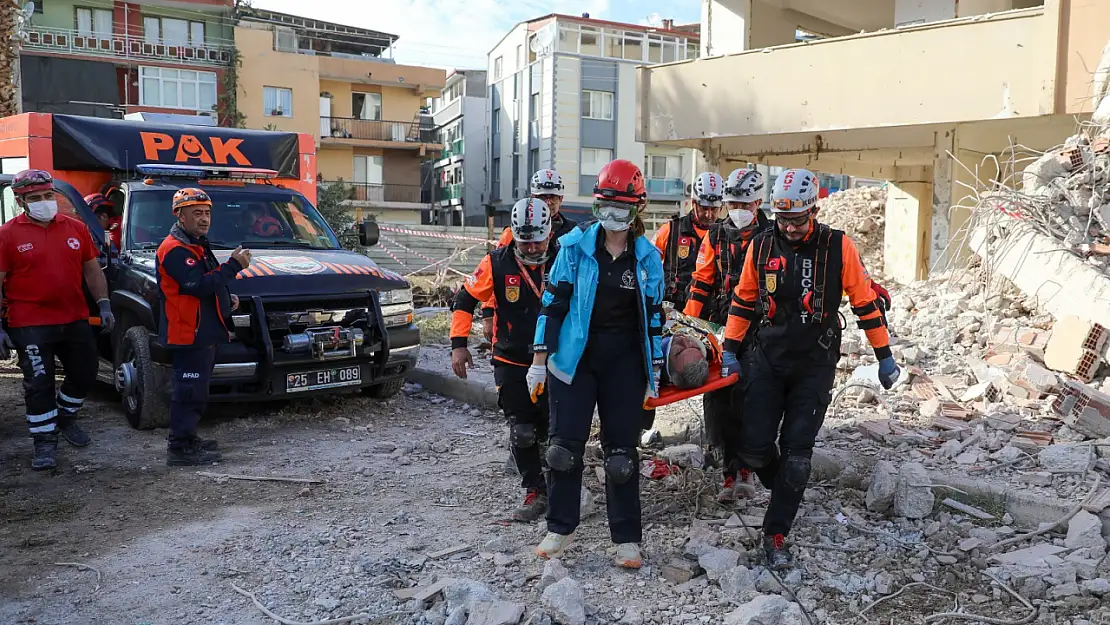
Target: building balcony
447,193
379,133
917,78
384,195
453,149
672,189
68,42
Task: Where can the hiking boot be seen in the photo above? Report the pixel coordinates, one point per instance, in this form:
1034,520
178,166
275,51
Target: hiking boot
778,556
72,432
191,456
534,506
46,450
207,444
728,491
744,487
628,556
553,544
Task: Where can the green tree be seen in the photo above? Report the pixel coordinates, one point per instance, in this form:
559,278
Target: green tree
330,198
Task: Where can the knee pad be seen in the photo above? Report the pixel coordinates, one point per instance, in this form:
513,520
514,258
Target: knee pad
620,464
795,472
522,435
561,458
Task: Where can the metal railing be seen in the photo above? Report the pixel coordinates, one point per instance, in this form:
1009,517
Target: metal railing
666,186
69,41
377,130
449,192
374,192
455,148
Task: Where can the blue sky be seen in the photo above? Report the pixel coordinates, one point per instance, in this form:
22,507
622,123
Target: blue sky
459,33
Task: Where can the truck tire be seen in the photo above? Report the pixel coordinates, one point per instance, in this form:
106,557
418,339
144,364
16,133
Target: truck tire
139,383
386,389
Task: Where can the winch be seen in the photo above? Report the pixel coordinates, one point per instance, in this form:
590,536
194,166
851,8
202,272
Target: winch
325,343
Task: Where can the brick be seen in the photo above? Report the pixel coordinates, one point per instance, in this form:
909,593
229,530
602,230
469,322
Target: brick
1017,340
1084,409
1074,347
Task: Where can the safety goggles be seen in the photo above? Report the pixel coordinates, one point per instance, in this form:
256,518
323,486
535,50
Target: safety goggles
796,220
617,211
709,200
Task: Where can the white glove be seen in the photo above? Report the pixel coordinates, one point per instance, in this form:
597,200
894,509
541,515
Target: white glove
536,377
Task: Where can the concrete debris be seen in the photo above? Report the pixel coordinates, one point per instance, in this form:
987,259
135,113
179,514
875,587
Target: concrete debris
686,456
861,213
1066,458
678,571
913,498
767,610
701,540
466,593
883,486
553,571
1084,531
566,602
737,584
717,561
495,613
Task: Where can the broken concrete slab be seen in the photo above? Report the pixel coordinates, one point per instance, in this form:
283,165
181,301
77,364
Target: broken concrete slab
495,613
1041,555
1084,530
566,602
913,498
767,610
883,486
1066,458
738,585
686,456
717,561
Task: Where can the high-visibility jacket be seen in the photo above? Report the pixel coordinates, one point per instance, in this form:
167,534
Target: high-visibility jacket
720,260
195,306
560,225
678,241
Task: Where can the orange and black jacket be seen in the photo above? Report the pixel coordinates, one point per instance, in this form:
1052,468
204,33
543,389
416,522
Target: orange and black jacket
560,224
720,261
501,279
678,241
789,295
195,306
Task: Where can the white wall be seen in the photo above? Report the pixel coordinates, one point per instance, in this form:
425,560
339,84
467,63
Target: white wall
547,115
506,49
724,28
568,113
909,11
475,136
627,146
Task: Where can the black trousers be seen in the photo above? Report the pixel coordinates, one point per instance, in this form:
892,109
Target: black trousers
527,422
723,411
75,346
612,377
783,402
192,368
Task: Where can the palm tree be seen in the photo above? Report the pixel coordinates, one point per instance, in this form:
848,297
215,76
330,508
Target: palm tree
10,17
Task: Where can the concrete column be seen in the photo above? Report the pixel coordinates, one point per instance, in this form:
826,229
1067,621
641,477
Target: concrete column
942,195
724,26
906,236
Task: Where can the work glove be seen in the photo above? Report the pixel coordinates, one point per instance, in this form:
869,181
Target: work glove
882,294
888,372
6,345
536,377
107,319
729,364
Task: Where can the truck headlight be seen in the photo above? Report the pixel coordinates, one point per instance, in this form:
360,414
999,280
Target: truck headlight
396,296
397,308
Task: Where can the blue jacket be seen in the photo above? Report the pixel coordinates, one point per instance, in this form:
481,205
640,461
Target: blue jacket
564,324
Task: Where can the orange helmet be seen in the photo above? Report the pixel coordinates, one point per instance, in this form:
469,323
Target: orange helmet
190,196
620,181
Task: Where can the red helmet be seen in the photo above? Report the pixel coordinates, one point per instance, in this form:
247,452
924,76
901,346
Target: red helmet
620,181
97,201
190,196
32,181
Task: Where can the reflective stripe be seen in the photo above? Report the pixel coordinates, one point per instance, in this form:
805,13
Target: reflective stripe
870,324
42,429
72,400
698,296
39,418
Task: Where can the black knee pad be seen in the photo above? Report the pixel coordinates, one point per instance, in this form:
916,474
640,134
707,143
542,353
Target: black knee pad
561,458
522,435
621,464
795,472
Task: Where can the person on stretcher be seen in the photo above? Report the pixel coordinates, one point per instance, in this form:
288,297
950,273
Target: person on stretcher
689,347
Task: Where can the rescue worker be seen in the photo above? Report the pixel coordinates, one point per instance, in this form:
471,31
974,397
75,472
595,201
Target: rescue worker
105,215
194,313
718,271
789,292
680,238
45,259
514,276
547,186
599,336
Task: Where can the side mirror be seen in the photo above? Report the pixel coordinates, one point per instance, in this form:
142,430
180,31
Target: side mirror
368,234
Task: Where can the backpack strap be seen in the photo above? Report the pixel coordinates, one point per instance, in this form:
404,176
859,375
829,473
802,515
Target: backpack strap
765,306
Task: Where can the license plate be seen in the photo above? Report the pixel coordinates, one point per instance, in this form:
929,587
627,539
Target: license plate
325,378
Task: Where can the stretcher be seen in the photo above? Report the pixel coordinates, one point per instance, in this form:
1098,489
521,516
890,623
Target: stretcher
671,394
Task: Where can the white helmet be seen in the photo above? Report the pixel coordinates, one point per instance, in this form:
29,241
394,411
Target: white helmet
744,185
708,189
530,220
546,182
795,191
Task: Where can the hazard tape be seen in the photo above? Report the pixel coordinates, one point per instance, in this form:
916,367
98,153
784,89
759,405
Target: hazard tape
391,241
390,254
434,235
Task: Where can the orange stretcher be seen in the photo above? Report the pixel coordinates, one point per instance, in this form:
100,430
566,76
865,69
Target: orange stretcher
671,394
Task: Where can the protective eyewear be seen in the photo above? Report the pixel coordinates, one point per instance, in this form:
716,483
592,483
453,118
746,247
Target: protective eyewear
794,220
616,211
710,200
548,197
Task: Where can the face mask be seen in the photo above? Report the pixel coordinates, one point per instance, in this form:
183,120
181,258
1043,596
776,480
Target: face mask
44,210
741,218
613,225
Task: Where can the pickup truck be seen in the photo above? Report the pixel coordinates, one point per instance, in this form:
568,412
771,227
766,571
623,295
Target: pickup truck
313,317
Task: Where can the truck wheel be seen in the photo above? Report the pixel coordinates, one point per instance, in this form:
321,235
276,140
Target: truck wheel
386,389
137,381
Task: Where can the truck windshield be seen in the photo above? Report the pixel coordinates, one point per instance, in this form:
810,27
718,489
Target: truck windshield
254,219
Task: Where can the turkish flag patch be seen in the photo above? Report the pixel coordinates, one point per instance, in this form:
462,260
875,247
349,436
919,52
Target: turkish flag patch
190,261
512,280
774,264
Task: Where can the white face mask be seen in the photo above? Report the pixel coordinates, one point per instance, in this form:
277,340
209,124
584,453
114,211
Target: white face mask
44,210
741,217
614,225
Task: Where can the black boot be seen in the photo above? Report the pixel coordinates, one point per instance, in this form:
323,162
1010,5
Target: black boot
74,435
191,456
778,556
207,444
534,506
46,448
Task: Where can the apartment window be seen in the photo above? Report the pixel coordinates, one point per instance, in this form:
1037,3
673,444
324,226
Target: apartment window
497,67
613,43
692,49
277,101
534,105
368,169
495,122
670,51
173,32
366,106
655,49
634,46
568,39
591,41
177,88
93,23
665,166
536,79
597,105
285,40
593,159
495,177
533,161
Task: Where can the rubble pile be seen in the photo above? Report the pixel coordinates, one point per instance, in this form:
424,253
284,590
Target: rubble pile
861,213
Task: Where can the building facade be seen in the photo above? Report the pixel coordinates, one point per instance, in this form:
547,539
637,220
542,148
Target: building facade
340,84
108,58
562,95
460,116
